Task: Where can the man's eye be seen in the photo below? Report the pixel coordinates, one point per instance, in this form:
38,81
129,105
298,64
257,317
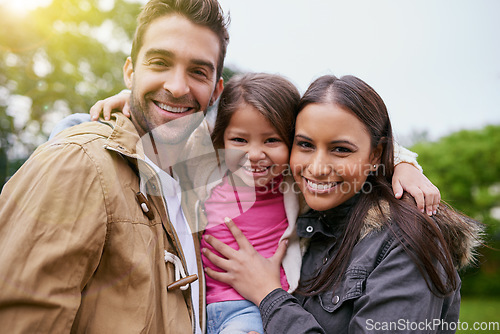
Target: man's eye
157,63
200,73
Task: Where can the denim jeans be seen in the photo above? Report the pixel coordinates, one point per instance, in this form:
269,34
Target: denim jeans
233,317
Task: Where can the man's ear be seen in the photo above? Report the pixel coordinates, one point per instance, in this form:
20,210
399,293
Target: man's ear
128,73
217,91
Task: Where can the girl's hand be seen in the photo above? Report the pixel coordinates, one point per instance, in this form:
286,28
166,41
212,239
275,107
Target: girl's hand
118,101
248,272
408,178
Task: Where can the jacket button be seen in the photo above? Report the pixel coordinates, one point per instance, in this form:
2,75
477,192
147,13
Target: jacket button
325,260
335,300
309,229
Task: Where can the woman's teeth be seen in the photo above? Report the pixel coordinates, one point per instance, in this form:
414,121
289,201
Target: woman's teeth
320,186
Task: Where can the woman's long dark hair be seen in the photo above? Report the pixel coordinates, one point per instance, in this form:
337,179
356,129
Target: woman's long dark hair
419,234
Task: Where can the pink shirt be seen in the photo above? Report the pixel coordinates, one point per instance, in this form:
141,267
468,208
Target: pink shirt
258,212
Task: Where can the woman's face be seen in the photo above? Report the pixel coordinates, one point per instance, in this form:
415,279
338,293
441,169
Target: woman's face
331,155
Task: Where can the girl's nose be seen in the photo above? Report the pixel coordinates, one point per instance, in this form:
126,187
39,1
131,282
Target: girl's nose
256,153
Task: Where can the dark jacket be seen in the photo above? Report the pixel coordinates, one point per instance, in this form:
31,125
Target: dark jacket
382,289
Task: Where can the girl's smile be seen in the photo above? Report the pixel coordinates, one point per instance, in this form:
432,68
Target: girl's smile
254,151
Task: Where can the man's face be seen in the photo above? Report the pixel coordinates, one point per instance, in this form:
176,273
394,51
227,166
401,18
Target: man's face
174,77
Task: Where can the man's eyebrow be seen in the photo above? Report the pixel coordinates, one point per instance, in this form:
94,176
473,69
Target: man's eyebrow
170,54
200,62
162,52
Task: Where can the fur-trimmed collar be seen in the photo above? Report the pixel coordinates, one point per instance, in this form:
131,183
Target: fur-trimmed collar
463,234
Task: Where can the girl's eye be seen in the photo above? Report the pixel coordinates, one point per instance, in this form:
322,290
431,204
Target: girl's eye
238,140
273,140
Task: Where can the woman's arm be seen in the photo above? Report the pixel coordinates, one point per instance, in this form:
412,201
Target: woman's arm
397,295
258,279
407,177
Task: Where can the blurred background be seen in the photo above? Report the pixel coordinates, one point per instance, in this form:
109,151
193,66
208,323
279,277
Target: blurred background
435,64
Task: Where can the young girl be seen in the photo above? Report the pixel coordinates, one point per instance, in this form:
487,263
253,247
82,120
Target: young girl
249,182
252,132
374,263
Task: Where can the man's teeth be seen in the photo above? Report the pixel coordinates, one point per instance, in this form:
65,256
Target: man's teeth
168,108
321,186
255,170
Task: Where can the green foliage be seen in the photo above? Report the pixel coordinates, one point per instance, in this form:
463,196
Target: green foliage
479,310
465,166
59,61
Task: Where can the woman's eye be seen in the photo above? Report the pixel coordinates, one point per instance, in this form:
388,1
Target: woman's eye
342,150
238,140
304,145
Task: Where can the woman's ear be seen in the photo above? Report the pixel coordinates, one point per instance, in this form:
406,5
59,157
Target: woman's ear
376,154
128,73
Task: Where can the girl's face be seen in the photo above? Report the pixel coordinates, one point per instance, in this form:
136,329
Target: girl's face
331,155
254,151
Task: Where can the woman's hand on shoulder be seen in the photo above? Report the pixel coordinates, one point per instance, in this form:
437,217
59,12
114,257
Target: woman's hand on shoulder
118,102
408,178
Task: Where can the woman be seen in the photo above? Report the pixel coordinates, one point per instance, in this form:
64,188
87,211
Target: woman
373,263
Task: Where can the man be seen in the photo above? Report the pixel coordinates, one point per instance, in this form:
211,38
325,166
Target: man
92,236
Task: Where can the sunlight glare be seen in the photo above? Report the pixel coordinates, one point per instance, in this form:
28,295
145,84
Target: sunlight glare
23,6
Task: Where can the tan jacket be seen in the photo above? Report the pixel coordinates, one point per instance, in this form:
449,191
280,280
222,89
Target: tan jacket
77,252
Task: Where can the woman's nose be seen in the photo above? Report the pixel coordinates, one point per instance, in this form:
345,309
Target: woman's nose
319,166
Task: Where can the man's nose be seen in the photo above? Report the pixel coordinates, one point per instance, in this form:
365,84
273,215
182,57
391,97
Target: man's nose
176,82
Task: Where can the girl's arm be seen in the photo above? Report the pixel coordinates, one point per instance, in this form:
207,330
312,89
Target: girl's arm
119,102
407,177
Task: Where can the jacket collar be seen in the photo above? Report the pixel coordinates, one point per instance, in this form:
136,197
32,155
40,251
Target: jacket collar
124,137
329,223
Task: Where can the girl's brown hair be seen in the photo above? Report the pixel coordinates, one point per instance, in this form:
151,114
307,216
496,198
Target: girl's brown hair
272,95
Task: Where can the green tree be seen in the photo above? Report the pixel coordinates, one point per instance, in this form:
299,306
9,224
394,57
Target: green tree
57,60
465,166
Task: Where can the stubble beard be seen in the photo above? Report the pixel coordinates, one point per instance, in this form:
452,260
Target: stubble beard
172,132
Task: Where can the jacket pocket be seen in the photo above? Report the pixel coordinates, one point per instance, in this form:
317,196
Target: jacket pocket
351,287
